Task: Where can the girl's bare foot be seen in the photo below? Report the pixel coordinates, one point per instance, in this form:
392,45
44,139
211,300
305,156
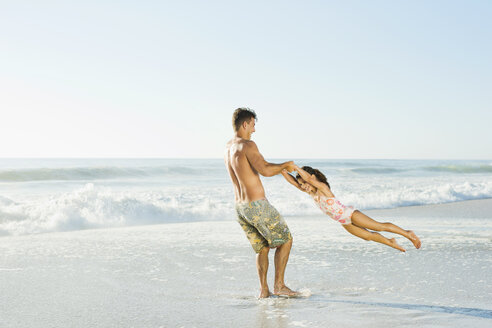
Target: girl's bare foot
284,291
264,293
394,244
414,239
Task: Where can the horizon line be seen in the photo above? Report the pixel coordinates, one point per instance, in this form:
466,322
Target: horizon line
220,158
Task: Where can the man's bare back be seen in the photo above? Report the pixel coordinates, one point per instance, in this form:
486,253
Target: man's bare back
245,178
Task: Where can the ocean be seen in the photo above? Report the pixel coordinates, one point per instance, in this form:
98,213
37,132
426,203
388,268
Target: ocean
154,243
49,195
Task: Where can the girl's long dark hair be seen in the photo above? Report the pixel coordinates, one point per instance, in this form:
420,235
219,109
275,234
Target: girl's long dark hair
317,173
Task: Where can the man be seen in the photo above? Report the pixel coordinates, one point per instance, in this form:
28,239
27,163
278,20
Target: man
264,226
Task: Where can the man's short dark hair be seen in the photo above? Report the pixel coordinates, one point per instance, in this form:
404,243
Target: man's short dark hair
241,115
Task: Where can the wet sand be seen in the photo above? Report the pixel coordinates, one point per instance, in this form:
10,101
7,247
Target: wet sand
202,274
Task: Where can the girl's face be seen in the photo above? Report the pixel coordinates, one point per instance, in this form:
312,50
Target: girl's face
306,186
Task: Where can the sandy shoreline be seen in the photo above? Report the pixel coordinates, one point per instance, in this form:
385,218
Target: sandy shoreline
202,274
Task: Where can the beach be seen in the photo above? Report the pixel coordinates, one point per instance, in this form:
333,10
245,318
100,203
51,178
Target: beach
202,274
140,141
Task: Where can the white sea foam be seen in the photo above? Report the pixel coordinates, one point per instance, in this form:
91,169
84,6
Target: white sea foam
100,207
372,194
81,194
94,206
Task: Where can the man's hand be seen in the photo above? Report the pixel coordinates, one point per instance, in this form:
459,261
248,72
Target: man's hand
290,166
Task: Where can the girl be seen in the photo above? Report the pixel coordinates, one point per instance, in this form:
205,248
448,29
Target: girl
313,182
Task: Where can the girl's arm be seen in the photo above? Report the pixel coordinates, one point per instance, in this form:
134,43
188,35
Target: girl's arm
290,179
311,179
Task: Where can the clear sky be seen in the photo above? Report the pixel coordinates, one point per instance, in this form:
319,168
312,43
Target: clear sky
328,79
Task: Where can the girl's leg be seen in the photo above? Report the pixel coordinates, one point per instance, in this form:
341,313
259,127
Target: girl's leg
361,220
374,236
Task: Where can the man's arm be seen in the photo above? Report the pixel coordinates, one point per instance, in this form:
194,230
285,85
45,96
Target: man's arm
263,167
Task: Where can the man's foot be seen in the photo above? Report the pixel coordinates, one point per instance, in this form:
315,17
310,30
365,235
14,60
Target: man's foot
414,239
284,291
264,293
394,244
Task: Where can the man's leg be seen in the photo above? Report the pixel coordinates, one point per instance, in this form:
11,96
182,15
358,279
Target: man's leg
281,258
262,266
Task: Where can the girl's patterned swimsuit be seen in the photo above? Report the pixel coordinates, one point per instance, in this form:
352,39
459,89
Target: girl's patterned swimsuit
336,210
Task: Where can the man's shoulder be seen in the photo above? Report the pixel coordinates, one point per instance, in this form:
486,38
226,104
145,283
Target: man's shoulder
249,143
248,147
241,142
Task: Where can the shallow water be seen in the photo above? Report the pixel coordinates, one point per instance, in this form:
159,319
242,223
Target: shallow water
202,274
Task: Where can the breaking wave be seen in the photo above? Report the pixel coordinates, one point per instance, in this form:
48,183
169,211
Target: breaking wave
92,207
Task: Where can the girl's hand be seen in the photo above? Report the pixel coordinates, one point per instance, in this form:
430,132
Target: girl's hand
290,179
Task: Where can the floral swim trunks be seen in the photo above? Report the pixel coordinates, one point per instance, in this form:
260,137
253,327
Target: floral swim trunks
263,224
